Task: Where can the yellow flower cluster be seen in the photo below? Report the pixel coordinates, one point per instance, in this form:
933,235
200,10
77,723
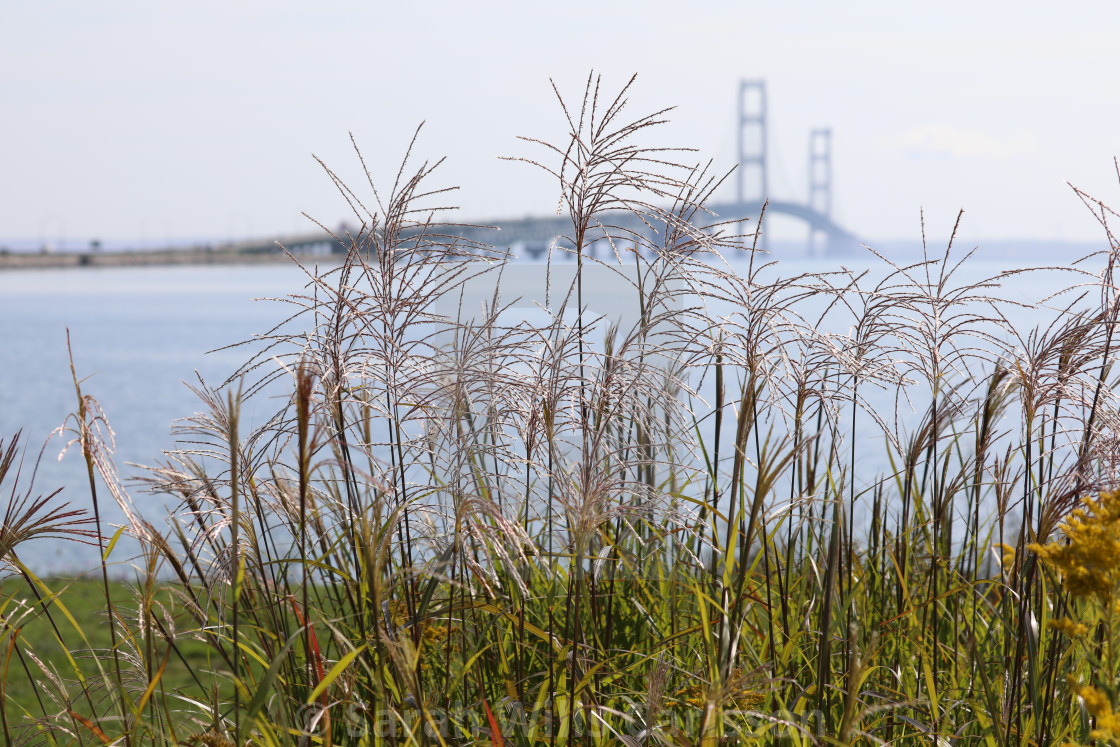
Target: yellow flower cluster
734,694
1072,628
1098,704
433,633
1089,558
1007,554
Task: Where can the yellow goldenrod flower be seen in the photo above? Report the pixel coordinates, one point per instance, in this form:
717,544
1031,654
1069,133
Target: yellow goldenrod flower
1099,705
1089,558
735,694
1072,628
1006,554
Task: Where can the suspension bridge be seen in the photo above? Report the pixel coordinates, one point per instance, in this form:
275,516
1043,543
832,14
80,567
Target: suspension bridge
531,237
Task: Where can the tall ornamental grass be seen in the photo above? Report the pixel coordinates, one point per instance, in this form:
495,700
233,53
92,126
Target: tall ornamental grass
468,528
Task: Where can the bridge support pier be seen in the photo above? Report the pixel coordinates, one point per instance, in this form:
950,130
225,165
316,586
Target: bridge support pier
751,174
820,187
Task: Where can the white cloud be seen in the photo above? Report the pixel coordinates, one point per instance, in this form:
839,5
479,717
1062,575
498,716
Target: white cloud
934,140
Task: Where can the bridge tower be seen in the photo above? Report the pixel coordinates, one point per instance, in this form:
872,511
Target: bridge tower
820,186
751,174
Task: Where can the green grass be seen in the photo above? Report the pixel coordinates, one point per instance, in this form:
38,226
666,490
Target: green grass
65,631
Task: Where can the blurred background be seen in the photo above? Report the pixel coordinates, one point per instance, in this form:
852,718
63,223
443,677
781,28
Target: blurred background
141,124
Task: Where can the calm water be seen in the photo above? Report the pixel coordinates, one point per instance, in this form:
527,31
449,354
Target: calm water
137,335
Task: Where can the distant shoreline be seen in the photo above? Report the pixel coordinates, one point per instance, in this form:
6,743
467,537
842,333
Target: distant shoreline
252,253
166,257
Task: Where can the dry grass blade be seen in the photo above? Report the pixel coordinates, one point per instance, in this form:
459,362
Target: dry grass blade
27,517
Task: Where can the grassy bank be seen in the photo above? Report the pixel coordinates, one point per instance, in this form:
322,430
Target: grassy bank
472,529
72,611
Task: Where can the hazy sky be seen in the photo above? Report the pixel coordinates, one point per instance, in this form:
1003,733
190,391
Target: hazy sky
147,120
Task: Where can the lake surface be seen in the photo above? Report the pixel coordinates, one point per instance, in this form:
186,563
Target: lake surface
138,334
